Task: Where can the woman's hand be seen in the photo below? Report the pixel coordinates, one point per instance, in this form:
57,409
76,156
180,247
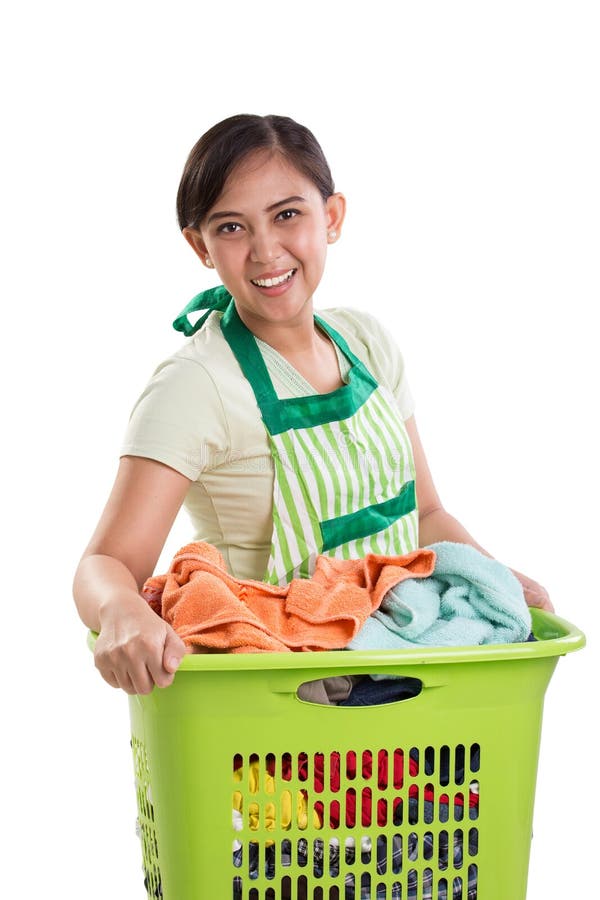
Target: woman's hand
136,650
535,594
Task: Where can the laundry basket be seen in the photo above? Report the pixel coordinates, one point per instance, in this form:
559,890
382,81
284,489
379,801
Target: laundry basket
246,792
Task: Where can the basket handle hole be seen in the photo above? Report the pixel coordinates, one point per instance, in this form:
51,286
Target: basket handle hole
359,690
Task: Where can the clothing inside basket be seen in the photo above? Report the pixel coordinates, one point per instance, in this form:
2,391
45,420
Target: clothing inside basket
323,856
452,857
448,594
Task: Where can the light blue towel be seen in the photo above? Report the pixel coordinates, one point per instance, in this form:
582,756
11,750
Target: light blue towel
470,599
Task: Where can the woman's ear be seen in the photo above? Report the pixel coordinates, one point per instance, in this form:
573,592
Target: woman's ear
335,210
194,239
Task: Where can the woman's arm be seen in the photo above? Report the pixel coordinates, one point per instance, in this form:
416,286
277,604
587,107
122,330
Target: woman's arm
135,649
435,524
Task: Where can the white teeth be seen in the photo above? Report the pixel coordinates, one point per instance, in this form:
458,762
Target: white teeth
271,282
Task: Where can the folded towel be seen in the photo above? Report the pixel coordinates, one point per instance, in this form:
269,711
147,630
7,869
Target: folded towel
210,609
470,599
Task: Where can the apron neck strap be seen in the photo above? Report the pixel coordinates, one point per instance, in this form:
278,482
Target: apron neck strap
245,349
337,338
296,412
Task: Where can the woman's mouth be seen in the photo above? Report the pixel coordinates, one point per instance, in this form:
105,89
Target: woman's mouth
275,281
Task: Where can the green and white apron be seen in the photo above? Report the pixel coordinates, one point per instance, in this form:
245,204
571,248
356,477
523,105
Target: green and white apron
343,466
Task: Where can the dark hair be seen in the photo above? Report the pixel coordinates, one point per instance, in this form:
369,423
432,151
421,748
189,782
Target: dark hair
227,143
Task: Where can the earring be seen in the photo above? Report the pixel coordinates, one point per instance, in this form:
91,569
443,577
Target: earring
209,262
332,235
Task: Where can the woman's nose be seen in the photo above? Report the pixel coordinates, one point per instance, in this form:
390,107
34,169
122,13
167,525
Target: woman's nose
265,246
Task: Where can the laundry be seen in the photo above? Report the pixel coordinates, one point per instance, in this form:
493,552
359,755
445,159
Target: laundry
210,610
450,850
328,691
253,811
470,599
299,766
370,692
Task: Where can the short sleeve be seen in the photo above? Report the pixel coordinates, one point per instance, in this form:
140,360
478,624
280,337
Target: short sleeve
376,347
178,419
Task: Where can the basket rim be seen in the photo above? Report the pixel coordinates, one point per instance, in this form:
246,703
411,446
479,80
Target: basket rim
555,637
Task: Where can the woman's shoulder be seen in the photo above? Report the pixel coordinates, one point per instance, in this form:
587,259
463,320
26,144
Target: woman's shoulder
354,319
197,356
376,347
356,325
179,412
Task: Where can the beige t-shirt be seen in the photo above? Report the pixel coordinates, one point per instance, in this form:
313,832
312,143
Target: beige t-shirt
198,414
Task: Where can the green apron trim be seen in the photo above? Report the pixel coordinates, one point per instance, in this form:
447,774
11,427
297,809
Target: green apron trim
320,446
368,521
214,298
296,412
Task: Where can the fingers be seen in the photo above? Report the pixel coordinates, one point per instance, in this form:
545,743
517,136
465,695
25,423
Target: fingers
137,681
539,601
165,663
174,651
136,665
537,596
109,676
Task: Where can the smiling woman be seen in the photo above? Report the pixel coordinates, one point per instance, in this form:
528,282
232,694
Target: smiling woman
273,246
286,434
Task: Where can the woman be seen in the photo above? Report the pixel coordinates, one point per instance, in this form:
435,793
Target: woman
286,435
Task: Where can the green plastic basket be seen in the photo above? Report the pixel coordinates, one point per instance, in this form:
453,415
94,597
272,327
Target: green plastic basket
430,798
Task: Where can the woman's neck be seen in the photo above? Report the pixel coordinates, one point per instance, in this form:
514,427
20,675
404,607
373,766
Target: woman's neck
310,351
292,337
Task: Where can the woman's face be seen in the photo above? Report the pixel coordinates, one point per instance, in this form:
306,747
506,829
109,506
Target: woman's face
267,237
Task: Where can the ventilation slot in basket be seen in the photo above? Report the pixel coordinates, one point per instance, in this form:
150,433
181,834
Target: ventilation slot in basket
145,821
357,825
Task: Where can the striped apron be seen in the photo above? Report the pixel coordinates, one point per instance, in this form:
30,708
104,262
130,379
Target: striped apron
343,465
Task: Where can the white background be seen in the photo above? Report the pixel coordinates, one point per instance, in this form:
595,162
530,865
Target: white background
465,136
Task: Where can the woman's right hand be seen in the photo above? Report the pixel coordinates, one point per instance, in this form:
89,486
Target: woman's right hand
136,650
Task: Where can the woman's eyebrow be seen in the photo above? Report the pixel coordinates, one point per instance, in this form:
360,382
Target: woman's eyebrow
283,202
226,214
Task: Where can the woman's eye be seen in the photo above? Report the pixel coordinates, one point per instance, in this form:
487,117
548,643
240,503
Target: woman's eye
228,228
287,214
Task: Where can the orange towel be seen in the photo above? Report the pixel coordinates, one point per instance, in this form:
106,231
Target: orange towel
210,609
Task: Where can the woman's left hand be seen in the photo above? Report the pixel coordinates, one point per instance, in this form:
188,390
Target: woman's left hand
535,594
